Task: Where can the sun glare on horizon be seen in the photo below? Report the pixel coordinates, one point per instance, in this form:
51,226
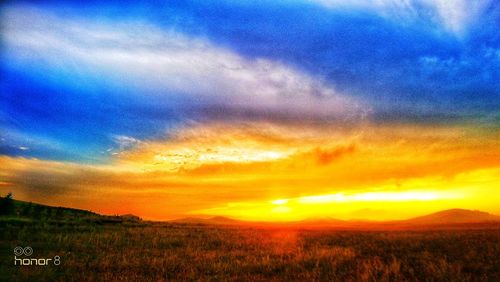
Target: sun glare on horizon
275,112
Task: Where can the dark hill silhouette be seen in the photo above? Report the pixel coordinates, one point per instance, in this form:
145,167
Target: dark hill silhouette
22,211
454,216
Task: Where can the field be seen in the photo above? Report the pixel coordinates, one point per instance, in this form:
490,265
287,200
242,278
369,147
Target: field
148,251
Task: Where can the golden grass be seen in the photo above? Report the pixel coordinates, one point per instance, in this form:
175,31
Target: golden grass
182,252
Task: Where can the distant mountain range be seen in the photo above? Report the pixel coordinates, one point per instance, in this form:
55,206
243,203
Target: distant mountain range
31,211
445,217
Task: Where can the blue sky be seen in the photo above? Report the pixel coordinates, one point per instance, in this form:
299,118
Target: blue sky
83,80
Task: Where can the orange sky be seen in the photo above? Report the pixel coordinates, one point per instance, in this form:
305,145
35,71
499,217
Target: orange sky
263,171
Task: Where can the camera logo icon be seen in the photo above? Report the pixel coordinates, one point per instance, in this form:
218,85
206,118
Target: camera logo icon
19,251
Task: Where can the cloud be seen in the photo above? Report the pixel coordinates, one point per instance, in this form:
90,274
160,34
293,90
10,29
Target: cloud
327,156
458,15
75,74
454,16
202,167
75,70
368,49
169,65
124,143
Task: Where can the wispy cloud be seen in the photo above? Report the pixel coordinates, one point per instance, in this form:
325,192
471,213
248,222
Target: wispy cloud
454,16
170,65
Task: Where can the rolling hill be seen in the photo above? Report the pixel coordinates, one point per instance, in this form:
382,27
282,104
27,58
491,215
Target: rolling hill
13,211
453,216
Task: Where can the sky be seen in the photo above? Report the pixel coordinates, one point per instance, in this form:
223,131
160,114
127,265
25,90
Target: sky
255,110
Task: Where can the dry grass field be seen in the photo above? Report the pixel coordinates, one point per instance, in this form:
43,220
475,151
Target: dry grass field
145,251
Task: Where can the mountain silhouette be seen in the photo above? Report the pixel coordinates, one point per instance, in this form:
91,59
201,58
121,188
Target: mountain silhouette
24,210
454,216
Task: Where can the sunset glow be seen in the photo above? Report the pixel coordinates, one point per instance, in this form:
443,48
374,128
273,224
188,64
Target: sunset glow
127,112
